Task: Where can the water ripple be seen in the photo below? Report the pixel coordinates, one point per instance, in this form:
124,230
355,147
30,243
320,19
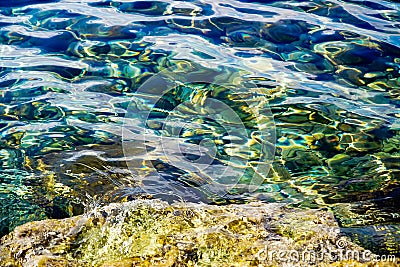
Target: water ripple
330,71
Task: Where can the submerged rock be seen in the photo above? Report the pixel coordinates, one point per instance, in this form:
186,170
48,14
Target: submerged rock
154,233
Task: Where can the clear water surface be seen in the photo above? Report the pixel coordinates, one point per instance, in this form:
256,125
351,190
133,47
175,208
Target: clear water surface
329,71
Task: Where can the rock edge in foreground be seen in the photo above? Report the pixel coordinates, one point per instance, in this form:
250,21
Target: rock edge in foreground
155,233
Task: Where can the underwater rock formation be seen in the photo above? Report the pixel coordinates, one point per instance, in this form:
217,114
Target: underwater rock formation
155,233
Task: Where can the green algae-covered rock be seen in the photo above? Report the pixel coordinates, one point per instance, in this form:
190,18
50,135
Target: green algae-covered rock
154,233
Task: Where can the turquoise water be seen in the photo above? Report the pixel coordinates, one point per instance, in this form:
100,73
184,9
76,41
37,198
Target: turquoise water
306,107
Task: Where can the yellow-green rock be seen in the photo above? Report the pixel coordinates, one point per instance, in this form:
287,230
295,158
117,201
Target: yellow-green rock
155,233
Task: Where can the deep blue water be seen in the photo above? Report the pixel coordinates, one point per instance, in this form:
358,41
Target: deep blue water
299,99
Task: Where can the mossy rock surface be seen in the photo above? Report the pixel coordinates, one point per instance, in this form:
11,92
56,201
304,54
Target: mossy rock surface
155,233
